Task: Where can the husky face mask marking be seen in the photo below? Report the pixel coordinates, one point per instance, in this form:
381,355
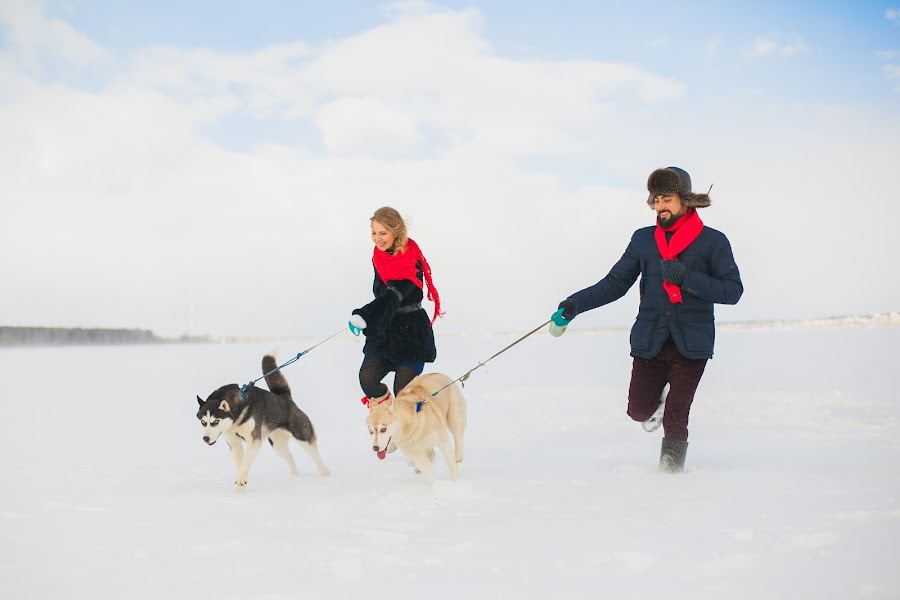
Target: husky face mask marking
215,420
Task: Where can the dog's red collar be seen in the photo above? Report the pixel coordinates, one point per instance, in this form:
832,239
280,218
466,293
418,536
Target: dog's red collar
366,403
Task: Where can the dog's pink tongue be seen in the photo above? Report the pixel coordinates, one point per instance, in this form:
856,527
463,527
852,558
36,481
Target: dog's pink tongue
381,454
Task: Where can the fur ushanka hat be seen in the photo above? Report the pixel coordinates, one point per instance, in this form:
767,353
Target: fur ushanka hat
673,180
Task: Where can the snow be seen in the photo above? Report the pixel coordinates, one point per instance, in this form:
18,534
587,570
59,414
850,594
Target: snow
792,486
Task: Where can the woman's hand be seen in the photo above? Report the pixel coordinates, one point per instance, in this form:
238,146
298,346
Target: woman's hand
356,324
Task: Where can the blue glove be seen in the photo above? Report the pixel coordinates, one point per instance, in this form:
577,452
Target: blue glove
356,324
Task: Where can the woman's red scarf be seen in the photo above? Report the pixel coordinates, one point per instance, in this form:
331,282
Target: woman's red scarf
394,267
686,229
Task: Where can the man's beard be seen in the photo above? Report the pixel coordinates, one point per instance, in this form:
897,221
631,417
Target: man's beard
666,223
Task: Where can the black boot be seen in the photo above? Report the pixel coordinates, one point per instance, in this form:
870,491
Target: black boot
671,456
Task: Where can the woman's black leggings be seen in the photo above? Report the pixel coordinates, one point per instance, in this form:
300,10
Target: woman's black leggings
375,368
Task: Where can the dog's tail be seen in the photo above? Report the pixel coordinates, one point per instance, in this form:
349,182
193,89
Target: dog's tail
276,381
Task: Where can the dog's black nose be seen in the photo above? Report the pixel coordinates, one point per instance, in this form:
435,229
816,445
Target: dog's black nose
206,438
375,448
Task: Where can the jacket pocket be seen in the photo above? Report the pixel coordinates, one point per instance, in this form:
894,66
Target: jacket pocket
642,330
699,336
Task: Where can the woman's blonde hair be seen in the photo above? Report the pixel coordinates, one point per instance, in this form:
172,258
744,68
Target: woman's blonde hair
394,223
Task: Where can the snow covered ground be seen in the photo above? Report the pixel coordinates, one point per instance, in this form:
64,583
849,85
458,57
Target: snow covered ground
792,488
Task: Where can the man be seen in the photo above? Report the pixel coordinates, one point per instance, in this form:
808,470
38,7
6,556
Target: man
685,269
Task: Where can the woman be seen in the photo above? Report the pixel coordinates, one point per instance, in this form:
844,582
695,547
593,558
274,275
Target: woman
398,332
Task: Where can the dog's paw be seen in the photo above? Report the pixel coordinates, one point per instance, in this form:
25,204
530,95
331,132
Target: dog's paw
459,460
240,485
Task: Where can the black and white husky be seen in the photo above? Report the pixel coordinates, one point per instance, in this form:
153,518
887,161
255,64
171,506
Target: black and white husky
271,415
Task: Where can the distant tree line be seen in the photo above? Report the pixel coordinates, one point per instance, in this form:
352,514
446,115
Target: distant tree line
60,336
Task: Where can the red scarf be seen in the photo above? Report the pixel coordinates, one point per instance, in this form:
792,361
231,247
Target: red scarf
394,267
686,229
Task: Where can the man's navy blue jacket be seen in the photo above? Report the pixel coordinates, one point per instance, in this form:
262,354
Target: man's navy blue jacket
712,278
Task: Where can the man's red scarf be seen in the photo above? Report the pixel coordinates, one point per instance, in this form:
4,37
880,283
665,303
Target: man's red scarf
686,229
395,267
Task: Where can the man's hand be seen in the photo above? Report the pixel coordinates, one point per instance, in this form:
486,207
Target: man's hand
567,310
562,317
673,271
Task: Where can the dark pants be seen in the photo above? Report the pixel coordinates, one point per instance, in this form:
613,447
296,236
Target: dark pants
375,368
648,378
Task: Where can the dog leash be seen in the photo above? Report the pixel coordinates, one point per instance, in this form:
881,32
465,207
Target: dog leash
296,358
462,379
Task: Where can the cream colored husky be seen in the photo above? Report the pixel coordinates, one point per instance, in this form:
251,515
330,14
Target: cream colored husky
417,434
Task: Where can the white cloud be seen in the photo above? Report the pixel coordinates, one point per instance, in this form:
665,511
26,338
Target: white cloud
366,126
891,69
151,193
765,47
426,69
122,202
34,36
892,14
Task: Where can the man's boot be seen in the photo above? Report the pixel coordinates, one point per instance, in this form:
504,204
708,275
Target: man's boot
671,455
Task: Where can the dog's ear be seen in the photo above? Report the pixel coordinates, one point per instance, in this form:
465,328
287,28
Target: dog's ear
223,406
200,401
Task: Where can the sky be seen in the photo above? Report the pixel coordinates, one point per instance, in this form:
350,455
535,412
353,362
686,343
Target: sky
210,168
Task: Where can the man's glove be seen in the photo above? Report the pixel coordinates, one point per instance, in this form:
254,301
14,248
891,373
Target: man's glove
673,271
356,324
562,317
565,313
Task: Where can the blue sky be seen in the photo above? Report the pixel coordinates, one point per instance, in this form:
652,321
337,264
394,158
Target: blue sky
516,136
845,36
838,45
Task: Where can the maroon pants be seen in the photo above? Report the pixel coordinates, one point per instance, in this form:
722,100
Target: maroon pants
648,378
